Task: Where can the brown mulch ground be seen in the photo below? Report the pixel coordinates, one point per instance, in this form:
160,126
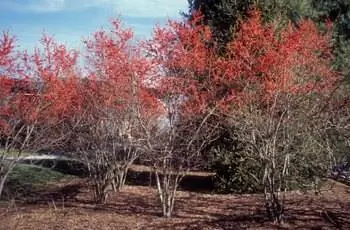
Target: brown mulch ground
68,206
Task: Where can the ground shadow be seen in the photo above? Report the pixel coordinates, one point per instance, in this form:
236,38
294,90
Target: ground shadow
198,211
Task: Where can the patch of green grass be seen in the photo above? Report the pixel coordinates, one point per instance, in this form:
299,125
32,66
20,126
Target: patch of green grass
31,174
27,179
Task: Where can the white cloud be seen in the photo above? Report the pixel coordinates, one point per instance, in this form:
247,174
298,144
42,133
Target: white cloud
43,5
150,8
130,8
38,6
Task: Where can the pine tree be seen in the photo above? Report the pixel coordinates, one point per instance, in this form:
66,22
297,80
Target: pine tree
224,16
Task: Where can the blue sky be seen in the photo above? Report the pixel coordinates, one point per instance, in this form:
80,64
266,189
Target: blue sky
72,20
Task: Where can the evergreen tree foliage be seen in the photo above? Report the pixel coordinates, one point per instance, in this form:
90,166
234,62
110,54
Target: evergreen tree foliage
337,12
224,16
